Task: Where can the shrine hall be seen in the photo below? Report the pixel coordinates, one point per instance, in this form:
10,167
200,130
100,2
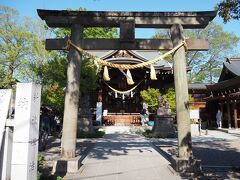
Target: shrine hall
121,102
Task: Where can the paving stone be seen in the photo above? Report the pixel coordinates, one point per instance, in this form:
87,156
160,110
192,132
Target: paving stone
124,155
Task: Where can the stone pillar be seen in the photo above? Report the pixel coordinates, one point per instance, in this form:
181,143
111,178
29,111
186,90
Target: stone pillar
26,132
229,115
5,98
181,89
235,116
72,95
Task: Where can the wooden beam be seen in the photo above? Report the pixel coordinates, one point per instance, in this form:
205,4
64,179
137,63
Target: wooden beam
229,115
65,18
137,44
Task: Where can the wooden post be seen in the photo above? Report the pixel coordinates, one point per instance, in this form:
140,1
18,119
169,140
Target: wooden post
181,89
229,115
235,116
72,96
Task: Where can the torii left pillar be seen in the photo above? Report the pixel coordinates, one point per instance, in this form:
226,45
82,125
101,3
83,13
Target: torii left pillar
72,96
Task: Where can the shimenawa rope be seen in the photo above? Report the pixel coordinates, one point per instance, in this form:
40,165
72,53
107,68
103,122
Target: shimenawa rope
125,66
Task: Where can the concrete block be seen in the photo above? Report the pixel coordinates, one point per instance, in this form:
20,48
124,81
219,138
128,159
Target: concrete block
163,126
186,166
63,166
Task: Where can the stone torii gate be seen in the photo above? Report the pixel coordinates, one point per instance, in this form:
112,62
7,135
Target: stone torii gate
127,21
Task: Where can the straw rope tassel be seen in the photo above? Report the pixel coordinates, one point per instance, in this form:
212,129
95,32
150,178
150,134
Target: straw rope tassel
152,73
129,78
106,74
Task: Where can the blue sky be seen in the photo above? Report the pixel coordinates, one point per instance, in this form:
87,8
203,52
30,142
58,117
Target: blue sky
28,8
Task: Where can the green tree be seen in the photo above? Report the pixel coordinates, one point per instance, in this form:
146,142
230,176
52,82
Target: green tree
150,96
53,78
206,65
20,47
53,73
229,9
170,97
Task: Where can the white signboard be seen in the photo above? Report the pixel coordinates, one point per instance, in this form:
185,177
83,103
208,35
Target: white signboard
194,114
5,97
105,112
99,112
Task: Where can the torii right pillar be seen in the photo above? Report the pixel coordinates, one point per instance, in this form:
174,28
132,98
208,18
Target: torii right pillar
184,162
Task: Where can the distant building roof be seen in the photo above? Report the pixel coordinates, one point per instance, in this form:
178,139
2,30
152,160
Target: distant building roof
231,69
197,86
233,83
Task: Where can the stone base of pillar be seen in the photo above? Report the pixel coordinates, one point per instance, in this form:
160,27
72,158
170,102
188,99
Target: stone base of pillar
186,167
67,166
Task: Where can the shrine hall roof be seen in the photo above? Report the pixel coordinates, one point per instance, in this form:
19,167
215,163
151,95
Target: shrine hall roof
136,56
231,69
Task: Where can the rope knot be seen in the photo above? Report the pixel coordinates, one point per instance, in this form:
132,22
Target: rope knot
185,45
67,47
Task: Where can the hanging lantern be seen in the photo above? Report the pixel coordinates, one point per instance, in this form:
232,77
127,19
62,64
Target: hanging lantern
106,74
152,73
129,78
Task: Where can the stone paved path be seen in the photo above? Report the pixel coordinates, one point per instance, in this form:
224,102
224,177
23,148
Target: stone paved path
218,151
123,155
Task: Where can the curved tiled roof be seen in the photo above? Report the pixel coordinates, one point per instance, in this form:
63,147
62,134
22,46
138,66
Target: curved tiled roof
231,68
233,65
138,56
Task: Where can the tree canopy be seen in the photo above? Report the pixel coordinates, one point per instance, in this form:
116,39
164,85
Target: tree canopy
20,47
23,56
229,9
206,65
151,95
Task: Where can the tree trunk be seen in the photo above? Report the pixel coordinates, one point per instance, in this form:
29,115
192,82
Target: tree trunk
181,89
72,96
